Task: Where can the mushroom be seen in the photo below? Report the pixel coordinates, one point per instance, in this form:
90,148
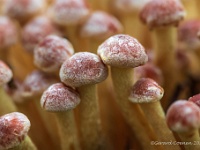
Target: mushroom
161,17
148,94
14,128
61,100
84,70
123,53
183,117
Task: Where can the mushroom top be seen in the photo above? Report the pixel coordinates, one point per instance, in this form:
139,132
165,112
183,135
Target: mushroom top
35,31
8,32
69,12
162,12
59,97
146,90
51,52
5,73
128,6
13,129
36,83
187,34
22,8
183,116
195,99
83,68
100,25
122,51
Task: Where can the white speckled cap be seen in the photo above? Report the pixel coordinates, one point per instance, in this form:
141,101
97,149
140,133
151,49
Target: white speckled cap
5,73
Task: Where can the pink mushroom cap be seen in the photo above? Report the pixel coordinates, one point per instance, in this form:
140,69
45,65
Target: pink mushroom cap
5,73
183,116
146,90
13,129
195,99
59,97
51,52
162,12
122,51
83,68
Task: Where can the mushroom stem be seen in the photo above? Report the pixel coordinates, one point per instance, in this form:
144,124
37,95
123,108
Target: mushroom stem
26,144
122,81
66,125
164,46
90,125
72,35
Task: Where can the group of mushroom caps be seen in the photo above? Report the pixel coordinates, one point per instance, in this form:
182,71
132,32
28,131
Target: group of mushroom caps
99,74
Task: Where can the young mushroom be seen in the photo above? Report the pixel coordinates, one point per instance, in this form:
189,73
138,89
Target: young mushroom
148,94
183,117
51,52
61,100
14,128
162,17
84,70
123,53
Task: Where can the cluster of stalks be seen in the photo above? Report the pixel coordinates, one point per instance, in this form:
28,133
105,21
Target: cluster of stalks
99,74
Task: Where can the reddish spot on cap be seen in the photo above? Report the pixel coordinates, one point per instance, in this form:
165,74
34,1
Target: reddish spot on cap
183,116
35,31
36,83
8,32
59,97
162,12
83,68
13,129
5,73
146,90
195,99
51,52
69,12
22,8
122,51
100,25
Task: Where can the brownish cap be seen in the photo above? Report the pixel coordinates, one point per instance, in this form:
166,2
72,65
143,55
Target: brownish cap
19,9
8,32
122,51
36,83
146,90
183,116
69,12
162,12
195,99
100,25
13,129
35,31
59,97
187,34
51,52
149,70
83,68
5,73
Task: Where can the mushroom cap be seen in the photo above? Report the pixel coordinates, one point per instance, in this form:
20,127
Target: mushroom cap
5,73
83,68
13,129
195,99
100,25
51,52
35,31
162,12
59,97
183,116
122,51
36,83
8,32
187,34
128,6
69,12
146,90
22,8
